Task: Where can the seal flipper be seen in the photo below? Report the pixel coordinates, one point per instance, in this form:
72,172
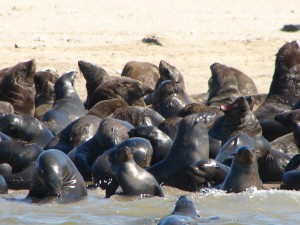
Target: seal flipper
112,187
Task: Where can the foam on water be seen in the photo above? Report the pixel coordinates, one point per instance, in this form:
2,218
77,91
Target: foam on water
214,207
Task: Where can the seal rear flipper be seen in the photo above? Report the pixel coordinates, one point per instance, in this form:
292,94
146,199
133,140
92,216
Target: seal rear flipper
111,189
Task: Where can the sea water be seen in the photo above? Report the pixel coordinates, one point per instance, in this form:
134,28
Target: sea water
213,206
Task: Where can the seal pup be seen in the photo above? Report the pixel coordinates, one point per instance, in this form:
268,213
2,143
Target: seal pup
283,92
25,129
243,173
134,180
190,146
17,87
94,76
67,105
56,179
42,77
138,116
129,90
142,154
183,213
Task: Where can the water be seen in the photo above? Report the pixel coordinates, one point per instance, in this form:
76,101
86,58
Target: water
214,207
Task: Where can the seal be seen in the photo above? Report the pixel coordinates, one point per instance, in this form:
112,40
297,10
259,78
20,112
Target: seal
243,173
283,92
239,119
127,89
183,213
44,101
25,129
20,157
190,146
17,87
166,72
290,178
106,107
145,72
110,132
222,86
160,142
142,154
76,133
43,77
56,180
67,105
138,116
133,179
171,99
94,76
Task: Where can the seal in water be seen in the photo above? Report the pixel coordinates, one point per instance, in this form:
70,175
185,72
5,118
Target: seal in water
243,173
183,213
56,179
17,87
133,179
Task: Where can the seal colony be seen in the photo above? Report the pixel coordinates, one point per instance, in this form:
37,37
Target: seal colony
131,138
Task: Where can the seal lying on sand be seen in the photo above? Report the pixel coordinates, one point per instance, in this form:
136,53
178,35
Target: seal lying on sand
56,179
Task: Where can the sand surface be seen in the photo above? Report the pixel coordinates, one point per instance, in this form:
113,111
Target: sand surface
194,34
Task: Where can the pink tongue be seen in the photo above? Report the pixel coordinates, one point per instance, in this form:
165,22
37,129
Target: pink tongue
229,107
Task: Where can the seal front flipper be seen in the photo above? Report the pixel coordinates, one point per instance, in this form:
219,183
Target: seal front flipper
112,187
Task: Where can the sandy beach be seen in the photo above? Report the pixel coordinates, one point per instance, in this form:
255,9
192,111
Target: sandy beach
194,34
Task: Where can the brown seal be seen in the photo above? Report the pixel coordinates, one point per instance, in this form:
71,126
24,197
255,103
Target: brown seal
17,87
145,72
94,76
106,107
127,89
239,119
284,91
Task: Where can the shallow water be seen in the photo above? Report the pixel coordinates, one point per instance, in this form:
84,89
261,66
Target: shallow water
214,207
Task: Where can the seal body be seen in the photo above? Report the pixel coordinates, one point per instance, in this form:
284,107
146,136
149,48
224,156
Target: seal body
243,173
67,105
56,179
190,146
133,179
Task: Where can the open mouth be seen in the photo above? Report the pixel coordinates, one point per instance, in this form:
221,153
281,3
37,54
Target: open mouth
231,106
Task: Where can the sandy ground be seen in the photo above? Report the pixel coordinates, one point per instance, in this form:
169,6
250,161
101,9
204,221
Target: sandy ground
194,34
